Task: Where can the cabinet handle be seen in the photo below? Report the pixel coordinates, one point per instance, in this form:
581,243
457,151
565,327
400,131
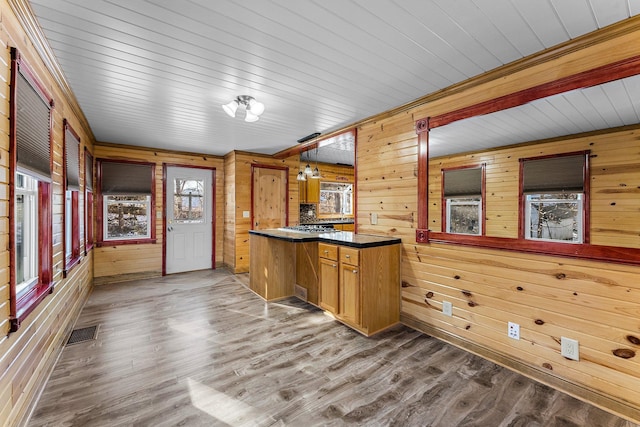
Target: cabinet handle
347,256
355,271
333,265
326,251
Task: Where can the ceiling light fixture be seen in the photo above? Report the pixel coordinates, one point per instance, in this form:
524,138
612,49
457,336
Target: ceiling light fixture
301,175
253,108
316,172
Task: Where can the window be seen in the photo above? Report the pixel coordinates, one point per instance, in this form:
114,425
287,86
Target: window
188,201
127,198
26,223
336,199
30,185
462,191
553,191
72,187
88,201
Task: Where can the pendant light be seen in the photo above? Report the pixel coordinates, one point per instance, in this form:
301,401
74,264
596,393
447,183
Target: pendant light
316,172
307,169
301,175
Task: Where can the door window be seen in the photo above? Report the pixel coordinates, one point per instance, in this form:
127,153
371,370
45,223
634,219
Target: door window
188,200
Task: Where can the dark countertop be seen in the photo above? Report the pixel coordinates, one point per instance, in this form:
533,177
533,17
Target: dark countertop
344,238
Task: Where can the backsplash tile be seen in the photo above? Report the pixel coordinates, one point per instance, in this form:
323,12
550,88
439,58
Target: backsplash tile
307,213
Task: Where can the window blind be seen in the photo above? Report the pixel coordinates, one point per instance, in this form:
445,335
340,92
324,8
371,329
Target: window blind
563,173
32,131
72,159
88,173
126,178
463,182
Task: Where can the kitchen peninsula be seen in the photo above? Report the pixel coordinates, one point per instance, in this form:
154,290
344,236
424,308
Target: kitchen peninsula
354,277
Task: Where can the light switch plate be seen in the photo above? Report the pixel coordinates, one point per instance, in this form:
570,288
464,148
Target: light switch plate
447,308
513,331
570,348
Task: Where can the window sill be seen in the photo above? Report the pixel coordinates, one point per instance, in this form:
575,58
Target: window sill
573,250
87,249
72,263
27,302
125,242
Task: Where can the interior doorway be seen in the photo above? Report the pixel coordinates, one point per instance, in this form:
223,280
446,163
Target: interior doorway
269,197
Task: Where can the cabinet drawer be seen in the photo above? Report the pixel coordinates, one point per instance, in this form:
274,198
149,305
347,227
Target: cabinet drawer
328,251
350,256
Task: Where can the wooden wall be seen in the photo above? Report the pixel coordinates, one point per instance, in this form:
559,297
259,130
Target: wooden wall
124,262
335,173
28,355
238,200
596,303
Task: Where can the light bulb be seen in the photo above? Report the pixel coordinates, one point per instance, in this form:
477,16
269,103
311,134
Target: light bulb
231,108
256,107
250,117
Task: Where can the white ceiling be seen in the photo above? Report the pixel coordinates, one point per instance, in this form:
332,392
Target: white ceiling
155,73
605,106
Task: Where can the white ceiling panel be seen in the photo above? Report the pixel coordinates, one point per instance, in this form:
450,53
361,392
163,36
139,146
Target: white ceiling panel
155,73
605,106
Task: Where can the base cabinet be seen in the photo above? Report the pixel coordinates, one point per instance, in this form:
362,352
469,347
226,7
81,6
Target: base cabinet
328,298
361,287
350,294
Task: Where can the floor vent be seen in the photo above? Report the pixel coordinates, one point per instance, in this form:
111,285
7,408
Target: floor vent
89,333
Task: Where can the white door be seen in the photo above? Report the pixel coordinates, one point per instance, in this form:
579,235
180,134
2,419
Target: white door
189,219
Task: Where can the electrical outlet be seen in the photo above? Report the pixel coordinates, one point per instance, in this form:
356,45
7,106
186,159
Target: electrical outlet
513,331
570,348
374,218
447,308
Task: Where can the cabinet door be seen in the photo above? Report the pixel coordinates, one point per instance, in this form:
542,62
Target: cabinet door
313,190
328,298
302,191
350,293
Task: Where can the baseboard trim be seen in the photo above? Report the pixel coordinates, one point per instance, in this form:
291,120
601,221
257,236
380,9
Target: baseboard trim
618,407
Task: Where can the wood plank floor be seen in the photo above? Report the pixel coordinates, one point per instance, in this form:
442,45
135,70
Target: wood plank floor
200,349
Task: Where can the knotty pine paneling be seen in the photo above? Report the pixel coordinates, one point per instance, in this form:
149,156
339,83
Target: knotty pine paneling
229,257
593,302
238,200
27,356
146,259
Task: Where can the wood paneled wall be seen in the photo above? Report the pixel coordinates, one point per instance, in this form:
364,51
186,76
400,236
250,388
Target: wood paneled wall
28,355
596,303
238,200
335,173
124,262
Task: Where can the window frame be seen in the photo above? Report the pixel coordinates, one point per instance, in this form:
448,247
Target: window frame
24,302
590,77
71,212
585,215
88,202
100,240
445,205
